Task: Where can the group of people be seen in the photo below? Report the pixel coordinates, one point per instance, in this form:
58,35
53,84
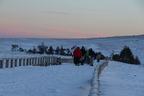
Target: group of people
81,56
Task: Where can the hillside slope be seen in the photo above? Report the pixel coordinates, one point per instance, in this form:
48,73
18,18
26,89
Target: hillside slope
120,79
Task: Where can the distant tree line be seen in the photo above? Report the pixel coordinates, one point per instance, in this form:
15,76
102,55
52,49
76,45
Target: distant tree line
43,49
59,50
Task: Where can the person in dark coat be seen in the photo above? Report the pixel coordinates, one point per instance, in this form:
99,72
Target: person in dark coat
90,55
83,51
77,54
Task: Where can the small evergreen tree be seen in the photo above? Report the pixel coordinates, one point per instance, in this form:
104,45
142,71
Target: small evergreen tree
51,50
127,56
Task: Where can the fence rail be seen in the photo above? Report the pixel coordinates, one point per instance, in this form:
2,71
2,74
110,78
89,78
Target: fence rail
29,61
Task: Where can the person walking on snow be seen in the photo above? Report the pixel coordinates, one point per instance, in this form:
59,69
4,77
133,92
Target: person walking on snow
77,55
83,50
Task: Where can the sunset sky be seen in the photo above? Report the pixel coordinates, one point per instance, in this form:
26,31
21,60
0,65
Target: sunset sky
71,18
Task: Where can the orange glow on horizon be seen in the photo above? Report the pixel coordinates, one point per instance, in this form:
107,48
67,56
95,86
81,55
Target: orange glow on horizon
53,32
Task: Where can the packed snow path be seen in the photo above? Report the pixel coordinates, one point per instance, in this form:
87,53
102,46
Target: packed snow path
120,79
61,80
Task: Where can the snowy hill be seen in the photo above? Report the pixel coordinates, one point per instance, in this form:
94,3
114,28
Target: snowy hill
120,79
105,45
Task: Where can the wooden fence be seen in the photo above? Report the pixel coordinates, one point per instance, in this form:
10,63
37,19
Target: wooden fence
67,60
29,61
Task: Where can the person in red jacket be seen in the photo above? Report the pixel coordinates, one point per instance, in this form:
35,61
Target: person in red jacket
77,54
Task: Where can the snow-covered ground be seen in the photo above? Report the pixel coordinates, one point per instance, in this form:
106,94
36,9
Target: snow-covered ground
60,80
120,79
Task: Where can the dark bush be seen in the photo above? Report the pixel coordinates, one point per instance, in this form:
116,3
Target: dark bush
116,57
126,56
99,55
42,48
137,61
21,49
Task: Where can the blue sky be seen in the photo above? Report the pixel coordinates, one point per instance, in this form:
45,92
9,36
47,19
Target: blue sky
71,18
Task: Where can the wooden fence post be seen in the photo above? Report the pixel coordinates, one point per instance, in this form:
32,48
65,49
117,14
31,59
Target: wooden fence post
1,64
7,63
20,62
15,63
43,61
40,61
30,61
11,63
27,62
36,62
48,60
24,61
55,61
41,64
51,60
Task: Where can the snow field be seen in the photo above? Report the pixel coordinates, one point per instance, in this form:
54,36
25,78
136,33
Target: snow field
60,80
120,79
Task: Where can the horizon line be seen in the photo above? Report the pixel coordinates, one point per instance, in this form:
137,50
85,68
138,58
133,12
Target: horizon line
73,37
